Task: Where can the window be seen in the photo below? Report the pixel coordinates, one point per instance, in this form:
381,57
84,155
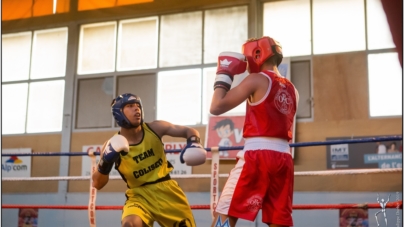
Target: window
179,96
97,48
161,59
288,22
16,56
137,44
45,106
384,69
181,39
379,35
143,85
385,85
33,81
94,97
332,31
14,114
224,30
301,78
49,54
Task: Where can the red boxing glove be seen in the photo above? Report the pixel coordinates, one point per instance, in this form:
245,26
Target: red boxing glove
228,65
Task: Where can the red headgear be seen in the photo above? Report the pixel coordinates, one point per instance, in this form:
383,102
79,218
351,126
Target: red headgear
258,51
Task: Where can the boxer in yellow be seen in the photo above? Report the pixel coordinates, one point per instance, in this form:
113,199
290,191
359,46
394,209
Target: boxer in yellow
138,154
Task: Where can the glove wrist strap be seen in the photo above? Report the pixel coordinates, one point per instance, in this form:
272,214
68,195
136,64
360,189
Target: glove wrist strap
224,77
193,139
104,167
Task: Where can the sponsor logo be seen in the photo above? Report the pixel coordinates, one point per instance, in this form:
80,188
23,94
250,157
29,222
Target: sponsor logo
15,164
283,101
225,63
254,204
14,160
383,204
339,152
220,224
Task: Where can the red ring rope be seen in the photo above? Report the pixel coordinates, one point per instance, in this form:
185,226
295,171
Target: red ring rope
397,205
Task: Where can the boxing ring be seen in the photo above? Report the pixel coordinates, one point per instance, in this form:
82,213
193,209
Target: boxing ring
214,176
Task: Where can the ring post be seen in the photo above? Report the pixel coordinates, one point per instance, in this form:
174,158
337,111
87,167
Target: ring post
214,182
93,191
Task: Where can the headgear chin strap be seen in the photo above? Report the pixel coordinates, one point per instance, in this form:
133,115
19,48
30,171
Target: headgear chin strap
257,51
117,109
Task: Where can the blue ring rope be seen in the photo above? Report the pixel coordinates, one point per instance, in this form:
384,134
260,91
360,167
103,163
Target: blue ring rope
301,144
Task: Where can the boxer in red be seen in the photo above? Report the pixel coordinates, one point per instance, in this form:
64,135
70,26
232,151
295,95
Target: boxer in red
264,172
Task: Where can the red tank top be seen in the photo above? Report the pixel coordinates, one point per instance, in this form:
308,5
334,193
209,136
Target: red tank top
273,115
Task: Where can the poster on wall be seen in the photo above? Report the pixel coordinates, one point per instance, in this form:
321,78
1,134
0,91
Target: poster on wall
16,166
386,154
225,131
28,217
353,217
174,158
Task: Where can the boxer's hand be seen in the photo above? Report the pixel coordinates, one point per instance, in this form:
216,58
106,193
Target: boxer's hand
116,145
228,65
193,154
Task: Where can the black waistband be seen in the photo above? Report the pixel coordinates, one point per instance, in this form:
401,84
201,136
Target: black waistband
167,177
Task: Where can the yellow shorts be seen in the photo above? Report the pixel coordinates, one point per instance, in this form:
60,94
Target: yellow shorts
163,202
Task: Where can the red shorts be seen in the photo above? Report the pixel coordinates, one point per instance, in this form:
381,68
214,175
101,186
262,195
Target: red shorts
262,179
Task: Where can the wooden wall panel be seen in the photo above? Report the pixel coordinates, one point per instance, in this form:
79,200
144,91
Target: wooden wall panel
378,182
340,86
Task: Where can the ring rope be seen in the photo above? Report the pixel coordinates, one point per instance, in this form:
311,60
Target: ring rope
300,144
397,205
300,173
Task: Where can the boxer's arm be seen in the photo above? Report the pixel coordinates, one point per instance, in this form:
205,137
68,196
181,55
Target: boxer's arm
110,153
100,180
164,128
223,101
193,153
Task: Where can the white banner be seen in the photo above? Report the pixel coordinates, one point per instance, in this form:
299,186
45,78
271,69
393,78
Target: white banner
86,160
174,158
16,166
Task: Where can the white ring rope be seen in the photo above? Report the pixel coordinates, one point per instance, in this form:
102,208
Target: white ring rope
300,173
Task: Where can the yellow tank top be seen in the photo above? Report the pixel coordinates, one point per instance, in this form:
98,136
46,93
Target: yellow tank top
145,162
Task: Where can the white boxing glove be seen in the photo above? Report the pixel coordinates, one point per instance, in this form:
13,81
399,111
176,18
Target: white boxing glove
193,154
116,145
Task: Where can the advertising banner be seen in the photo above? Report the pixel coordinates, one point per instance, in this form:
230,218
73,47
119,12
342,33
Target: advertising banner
27,217
386,154
353,217
174,158
16,166
225,131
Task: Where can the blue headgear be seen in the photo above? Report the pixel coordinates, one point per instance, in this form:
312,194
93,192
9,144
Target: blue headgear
117,108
